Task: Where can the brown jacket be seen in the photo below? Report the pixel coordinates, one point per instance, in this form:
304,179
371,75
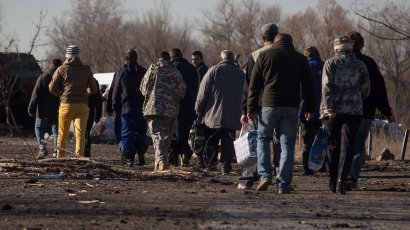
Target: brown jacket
73,82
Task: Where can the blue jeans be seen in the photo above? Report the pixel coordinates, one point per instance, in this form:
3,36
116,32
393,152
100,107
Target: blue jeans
40,128
360,149
133,130
284,121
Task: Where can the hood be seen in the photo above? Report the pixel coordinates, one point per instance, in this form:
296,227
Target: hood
73,61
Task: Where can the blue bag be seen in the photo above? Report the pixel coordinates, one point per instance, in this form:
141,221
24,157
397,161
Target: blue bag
318,151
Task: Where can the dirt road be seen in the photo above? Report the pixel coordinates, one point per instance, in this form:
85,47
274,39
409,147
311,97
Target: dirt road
199,201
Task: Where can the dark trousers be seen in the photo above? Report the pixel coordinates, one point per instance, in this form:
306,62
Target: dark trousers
90,122
309,131
179,147
226,136
342,131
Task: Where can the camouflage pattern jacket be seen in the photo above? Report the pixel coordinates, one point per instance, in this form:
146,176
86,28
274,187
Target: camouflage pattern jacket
163,88
345,83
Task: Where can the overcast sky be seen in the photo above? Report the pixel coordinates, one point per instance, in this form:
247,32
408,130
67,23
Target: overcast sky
19,16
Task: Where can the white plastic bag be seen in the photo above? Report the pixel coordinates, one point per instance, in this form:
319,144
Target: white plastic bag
245,148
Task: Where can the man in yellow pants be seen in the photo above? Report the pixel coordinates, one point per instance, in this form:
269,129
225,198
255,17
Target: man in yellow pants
72,82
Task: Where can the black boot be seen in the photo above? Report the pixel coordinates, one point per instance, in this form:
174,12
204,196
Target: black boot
332,185
342,187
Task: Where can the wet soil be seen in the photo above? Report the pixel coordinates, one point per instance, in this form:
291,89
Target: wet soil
186,198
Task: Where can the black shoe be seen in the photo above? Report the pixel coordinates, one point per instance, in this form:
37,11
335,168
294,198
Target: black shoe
323,169
332,185
308,173
127,160
87,154
185,161
141,160
173,161
342,187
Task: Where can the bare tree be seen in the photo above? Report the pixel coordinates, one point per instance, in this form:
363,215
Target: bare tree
236,26
392,52
394,18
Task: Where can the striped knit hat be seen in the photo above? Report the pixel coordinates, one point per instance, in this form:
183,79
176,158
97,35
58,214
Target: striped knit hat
72,51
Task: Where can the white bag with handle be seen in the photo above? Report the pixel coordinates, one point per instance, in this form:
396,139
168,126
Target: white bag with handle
245,147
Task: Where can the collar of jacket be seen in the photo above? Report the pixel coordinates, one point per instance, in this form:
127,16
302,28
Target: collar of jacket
73,61
314,59
227,62
284,44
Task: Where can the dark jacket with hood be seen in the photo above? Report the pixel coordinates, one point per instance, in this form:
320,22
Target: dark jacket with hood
42,102
279,73
126,89
378,93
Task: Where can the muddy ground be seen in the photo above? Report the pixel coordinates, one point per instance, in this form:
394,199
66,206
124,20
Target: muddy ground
96,198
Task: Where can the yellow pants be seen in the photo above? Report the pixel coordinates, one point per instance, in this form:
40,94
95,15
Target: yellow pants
79,114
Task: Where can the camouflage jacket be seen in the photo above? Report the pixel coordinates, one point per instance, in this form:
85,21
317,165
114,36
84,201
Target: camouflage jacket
163,88
345,83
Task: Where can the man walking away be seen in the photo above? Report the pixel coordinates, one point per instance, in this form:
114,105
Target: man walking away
186,115
128,97
219,103
73,82
311,127
95,106
277,76
44,106
345,83
376,99
163,88
268,31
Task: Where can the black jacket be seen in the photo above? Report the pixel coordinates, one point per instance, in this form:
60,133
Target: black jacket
187,114
378,93
42,102
201,69
126,89
95,104
280,72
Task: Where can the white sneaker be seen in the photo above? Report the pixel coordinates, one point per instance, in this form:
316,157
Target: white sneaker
244,186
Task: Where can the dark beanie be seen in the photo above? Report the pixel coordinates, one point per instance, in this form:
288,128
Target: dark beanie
357,39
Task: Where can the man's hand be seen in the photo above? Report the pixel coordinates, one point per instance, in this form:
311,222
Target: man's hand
252,116
109,114
331,115
391,118
97,120
244,119
309,116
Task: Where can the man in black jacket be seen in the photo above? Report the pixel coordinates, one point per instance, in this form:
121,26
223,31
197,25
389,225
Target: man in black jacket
186,116
44,106
198,61
277,75
128,98
376,99
95,105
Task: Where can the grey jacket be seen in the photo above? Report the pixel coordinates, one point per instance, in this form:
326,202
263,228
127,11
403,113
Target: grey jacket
345,83
219,97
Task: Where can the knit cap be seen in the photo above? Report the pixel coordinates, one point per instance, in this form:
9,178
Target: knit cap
72,51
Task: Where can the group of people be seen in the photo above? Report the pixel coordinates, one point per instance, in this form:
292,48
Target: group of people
278,89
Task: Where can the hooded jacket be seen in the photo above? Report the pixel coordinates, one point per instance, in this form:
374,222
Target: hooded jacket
73,82
42,102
